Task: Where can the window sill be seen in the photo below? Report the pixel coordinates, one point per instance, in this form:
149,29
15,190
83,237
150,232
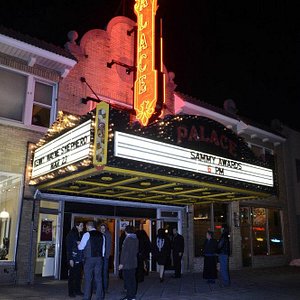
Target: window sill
23,126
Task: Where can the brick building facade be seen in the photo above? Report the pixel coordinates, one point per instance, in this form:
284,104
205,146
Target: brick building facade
81,77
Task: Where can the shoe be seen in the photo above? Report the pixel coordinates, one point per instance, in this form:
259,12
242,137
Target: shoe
161,279
72,295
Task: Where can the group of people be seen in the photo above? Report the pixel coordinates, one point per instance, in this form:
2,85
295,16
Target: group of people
214,252
93,247
135,251
90,252
162,247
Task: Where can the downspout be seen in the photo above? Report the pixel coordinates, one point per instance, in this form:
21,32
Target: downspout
32,229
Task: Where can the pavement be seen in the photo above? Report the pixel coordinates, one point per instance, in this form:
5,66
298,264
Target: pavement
267,283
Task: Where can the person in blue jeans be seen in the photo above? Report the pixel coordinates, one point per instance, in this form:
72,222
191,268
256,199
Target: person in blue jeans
224,252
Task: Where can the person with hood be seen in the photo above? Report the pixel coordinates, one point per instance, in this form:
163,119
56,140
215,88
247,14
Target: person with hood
75,260
224,252
128,262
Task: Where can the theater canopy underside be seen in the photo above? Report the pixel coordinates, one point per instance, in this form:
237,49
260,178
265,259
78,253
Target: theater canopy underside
119,184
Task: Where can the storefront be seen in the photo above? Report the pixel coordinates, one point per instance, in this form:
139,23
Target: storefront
105,167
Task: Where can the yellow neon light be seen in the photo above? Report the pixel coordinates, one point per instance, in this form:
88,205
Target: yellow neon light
145,91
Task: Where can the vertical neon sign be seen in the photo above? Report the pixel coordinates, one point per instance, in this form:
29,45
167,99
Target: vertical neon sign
145,86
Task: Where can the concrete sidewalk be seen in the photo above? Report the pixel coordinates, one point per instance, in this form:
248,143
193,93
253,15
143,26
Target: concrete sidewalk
269,283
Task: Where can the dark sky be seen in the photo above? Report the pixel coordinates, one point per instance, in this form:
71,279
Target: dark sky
247,51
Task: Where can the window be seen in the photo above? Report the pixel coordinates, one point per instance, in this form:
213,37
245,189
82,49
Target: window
220,217
12,95
10,187
26,99
275,233
259,231
203,222
265,232
42,102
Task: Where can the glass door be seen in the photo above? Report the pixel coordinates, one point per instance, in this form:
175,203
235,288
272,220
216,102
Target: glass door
47,244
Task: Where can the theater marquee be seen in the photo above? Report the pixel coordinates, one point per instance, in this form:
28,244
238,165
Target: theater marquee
69,148
150,151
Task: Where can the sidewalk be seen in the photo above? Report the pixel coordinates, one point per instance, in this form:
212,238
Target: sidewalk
269,283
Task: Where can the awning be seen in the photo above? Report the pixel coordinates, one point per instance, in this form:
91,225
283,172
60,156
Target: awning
102,156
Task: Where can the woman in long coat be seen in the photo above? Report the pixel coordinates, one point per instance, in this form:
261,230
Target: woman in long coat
143,255
210,272
161,251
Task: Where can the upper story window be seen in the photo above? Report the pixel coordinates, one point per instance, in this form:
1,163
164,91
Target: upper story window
26,99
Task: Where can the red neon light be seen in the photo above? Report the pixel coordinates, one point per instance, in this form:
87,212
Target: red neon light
259,228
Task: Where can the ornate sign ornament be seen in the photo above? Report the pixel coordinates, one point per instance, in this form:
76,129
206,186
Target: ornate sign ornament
145,86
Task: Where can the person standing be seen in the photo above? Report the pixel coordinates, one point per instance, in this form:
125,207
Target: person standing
178,249
104,230
143,255
75,259
224,252
210,258
161,251
128,262
93,246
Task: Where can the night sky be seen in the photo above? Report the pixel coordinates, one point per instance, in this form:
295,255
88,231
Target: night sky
218,50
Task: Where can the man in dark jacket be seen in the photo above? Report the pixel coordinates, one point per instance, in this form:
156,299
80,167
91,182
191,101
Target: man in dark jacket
210,272
224,252
177,248
93,246
74,257
128,262
104,230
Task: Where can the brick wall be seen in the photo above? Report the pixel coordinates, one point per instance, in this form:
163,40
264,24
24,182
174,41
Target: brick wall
97,48
13,149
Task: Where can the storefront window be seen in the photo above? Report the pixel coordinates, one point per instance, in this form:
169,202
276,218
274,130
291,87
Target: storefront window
220,217
10,187
266,231
275,232
202,222
259,228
